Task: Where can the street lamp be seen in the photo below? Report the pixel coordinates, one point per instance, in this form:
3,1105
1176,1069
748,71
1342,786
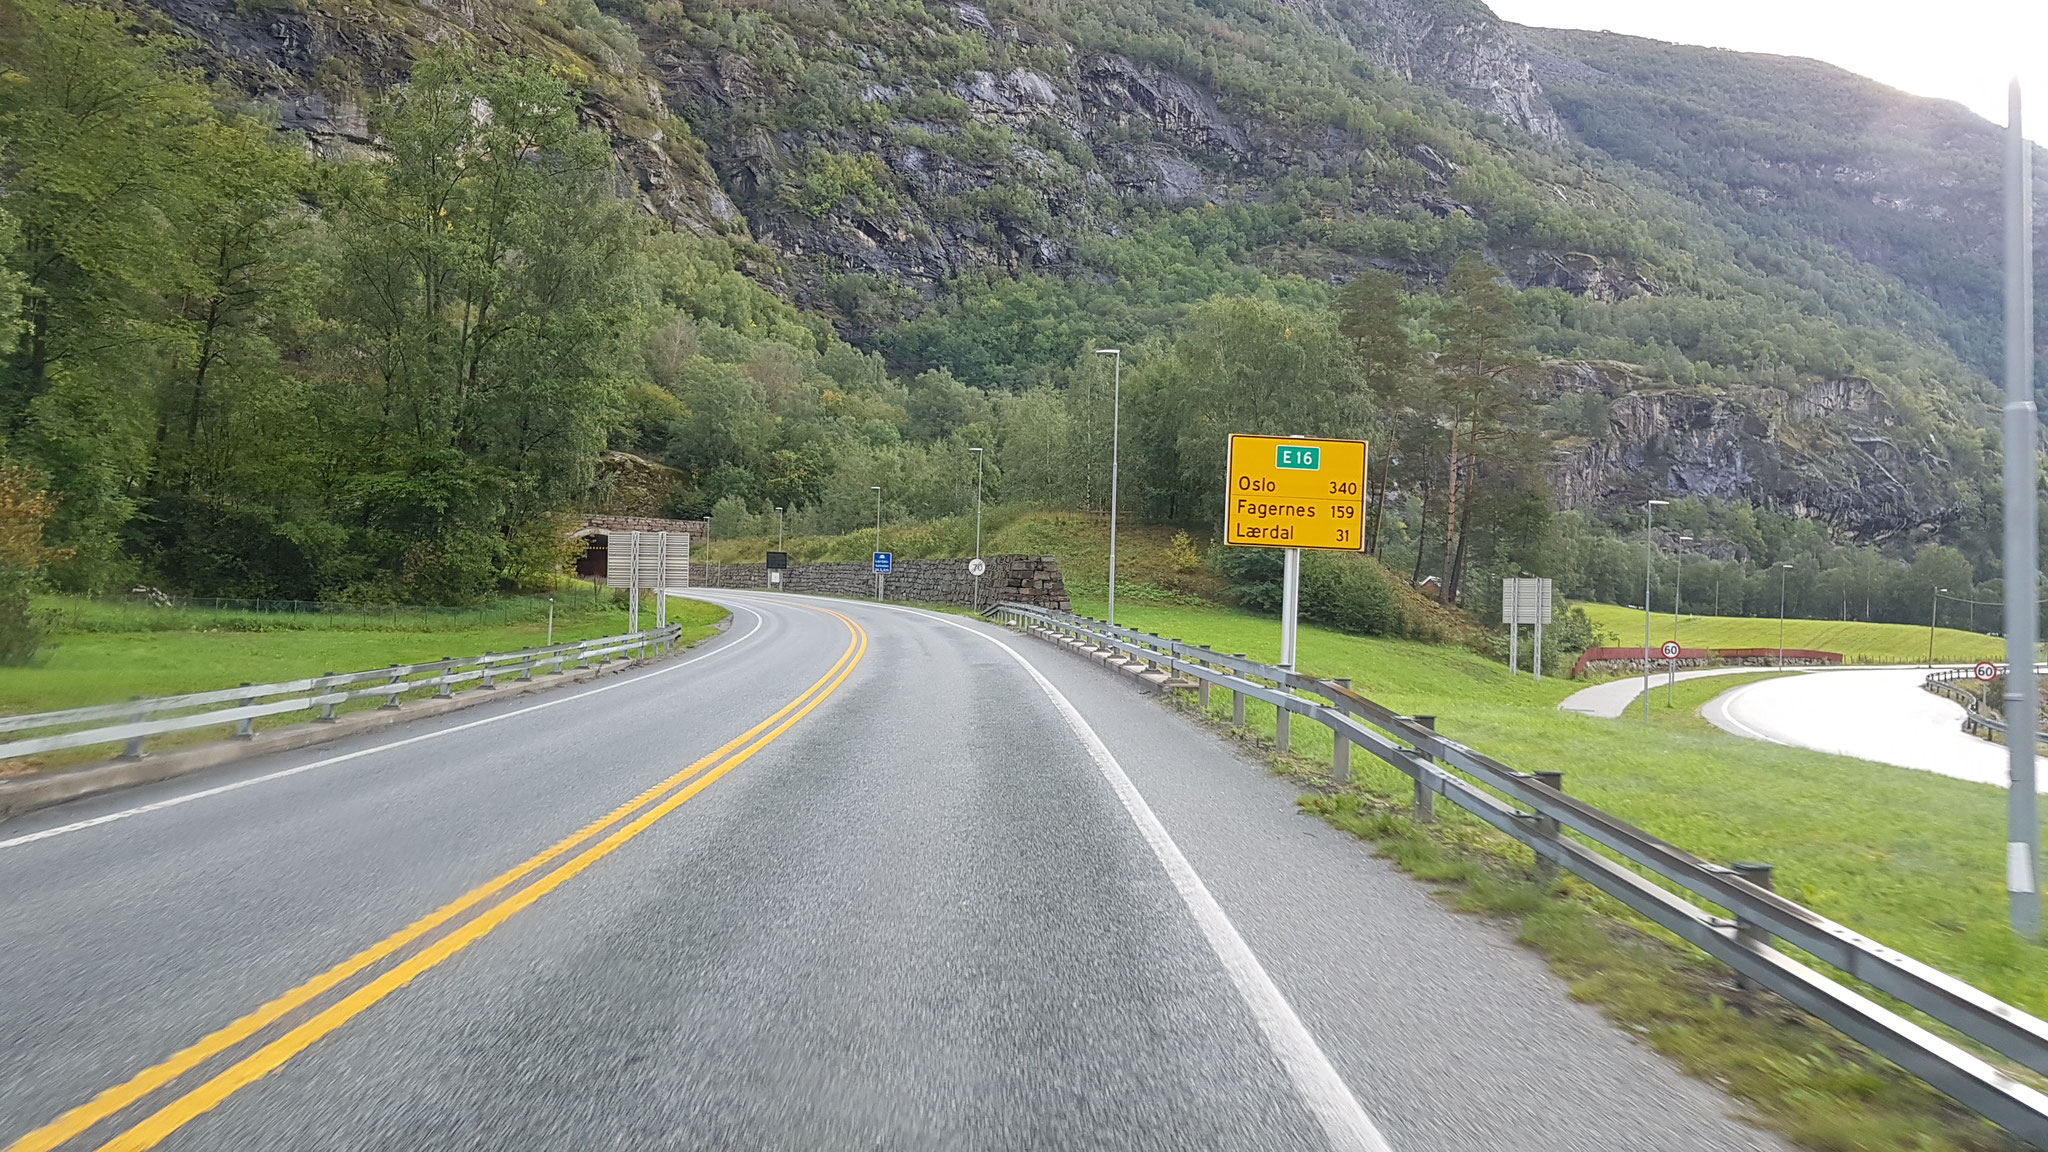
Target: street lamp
877,490
1116,389
1933,603
1649,514
1782,569
1677,587
977,524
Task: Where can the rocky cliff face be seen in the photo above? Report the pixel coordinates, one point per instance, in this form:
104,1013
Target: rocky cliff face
1455,46
1831,453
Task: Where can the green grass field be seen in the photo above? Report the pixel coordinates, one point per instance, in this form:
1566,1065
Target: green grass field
108,652
1913,859
1857,641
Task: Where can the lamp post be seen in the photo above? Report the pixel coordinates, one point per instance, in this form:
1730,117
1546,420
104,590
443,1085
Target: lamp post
877,490
1649,556
1116,389
1933,605
1677,590
1782,569
977,524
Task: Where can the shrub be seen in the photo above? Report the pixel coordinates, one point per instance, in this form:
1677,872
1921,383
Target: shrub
24,506
1351,594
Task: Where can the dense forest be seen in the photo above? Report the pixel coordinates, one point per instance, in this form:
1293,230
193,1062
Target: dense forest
242,359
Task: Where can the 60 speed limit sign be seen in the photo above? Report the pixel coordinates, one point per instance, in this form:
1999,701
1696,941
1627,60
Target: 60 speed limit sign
1986,671
1671,649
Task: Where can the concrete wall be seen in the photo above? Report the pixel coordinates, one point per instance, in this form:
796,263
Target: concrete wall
1024,579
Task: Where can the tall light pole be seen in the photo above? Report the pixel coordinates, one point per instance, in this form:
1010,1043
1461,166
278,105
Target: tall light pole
877,490
1649,556
977,524
1933,605
2022,543
1782,569
1116,391
1677,588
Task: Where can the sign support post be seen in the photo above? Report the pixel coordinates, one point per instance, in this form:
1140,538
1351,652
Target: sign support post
1290,606
633,584
1525,600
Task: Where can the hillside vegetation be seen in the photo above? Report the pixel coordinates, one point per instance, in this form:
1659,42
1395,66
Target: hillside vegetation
320,301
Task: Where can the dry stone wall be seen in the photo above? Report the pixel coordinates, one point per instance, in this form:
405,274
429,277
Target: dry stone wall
1034,580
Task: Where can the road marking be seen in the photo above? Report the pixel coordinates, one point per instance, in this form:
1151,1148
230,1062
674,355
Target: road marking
210,1093
189,797
1726,702
1315,1079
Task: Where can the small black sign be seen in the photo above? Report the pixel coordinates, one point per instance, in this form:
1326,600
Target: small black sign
778,560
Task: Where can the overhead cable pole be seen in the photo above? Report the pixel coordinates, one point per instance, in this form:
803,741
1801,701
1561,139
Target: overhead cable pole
2022,546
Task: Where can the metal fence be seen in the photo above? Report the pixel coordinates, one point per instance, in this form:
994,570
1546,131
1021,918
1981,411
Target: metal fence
132,722
1741,917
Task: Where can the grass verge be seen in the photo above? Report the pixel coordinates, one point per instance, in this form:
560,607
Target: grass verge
110,652
1910,858
1858,641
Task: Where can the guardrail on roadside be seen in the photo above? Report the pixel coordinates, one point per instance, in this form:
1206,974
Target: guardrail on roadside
1620,860
136,720
1977,722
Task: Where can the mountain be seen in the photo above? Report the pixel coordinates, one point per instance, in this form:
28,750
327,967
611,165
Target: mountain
1751,277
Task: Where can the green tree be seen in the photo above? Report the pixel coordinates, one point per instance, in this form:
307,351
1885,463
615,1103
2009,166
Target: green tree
483,319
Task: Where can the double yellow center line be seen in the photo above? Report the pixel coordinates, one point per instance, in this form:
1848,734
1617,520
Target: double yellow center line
616,828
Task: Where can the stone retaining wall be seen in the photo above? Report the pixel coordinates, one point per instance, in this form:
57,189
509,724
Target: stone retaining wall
1031,580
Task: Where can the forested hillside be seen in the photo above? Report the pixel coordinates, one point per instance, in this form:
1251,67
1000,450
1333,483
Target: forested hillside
358,301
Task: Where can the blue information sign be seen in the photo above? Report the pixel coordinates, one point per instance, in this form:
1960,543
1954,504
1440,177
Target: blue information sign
882,560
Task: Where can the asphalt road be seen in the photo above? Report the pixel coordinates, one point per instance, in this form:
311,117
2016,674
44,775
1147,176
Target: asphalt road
845,877
1880,714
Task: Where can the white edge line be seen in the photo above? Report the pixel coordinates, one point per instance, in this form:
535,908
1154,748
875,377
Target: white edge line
1324,1092
189,797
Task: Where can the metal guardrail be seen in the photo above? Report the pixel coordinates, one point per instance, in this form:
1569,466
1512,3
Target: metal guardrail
139,719
1533,808
1976,721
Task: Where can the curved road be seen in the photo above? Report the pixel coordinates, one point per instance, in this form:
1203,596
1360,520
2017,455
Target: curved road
1880,714
845,876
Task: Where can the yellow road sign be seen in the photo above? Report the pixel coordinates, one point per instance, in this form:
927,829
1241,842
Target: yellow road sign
1290,492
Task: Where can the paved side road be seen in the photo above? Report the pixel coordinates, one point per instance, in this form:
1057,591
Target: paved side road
1609,700
856,877
1880,714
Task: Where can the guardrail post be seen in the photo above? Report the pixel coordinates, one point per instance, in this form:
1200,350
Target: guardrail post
134,749
526,669
1237,704
1748,933
558,662
1280,717
1202,687
488,671
1340,748
446,690
326,715
1425,800
391,697
1547,828
245,728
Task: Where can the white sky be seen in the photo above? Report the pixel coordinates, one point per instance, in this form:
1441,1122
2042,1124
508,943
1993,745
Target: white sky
1961,50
